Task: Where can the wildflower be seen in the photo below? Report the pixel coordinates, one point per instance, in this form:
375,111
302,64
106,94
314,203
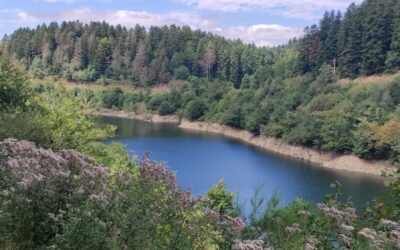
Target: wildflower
395,238
369,234
53,217
347,228
310,244
102,224
293,229
344,240
248,245
350,215
390,225
5,193
237,223
304,213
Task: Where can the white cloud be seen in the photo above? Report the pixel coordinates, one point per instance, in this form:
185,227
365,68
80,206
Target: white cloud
72,1
260,34
304,9
60,1
123,17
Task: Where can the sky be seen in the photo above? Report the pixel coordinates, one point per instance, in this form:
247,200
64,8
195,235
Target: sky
263,22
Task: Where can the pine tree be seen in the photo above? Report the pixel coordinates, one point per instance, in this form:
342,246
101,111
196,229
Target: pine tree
309,50
224,65
349,43
377,35
102,57
235,68
117,63
76,61
392,63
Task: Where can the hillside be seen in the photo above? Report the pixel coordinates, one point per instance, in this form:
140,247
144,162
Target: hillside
362,41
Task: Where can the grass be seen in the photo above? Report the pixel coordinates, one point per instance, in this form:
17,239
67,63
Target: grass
373,79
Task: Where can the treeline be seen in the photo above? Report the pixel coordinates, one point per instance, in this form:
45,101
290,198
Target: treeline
315,112
365,41
86,52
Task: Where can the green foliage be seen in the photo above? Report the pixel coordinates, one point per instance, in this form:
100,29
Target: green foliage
62,199
85,75
67,201
113,98
195,109
303,110
38,68
327,225
182,73
220,199
15,92
25,126
85,53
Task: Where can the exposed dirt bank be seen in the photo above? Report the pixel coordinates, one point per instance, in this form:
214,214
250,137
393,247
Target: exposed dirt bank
142,117
329,160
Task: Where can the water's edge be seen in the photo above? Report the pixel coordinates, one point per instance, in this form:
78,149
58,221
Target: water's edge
349,162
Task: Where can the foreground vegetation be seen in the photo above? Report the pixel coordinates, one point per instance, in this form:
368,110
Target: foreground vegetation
53,196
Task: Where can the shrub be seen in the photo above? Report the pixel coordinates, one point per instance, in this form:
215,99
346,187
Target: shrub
195,109
182,73
113,98
65,200
15,91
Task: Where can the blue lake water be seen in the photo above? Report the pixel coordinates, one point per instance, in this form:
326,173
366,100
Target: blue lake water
200,160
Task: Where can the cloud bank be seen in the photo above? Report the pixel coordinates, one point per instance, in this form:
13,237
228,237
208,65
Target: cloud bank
259,34
302,9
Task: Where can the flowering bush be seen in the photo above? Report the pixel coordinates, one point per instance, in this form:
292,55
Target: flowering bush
327,225
61,199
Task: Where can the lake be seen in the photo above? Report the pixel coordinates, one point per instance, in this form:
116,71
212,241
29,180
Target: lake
200,160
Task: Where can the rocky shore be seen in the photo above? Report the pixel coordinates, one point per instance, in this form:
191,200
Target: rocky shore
142,117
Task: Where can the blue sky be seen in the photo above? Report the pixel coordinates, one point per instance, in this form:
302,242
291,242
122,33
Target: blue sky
264,22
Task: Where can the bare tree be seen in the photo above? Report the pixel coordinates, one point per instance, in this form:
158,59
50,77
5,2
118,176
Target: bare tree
209,59
139,65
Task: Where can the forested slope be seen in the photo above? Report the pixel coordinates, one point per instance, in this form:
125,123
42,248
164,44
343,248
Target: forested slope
86,52
364,40
288,92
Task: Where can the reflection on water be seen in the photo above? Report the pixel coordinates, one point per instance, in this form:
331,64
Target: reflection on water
201,159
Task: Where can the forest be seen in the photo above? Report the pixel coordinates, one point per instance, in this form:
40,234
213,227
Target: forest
362,41
288,92
61,185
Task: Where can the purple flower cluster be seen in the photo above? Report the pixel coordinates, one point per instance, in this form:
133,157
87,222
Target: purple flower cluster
233,225
156,173
347,215
48,189
62,175
249,245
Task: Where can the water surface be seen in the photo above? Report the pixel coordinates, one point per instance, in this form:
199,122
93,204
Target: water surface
202,159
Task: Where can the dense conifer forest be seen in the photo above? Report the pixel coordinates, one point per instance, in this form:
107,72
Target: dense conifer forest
362,41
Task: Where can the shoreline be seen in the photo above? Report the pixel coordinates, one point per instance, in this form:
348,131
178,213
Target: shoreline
155,118
346,162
